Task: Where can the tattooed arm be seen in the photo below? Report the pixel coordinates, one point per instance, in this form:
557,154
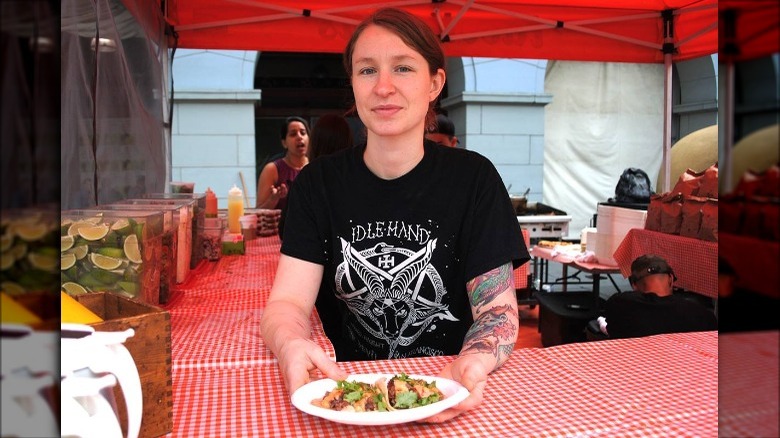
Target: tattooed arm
489,341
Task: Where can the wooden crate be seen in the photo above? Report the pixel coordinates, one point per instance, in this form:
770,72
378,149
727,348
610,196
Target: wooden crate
151,350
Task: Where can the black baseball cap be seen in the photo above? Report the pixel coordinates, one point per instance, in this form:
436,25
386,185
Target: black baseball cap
647,265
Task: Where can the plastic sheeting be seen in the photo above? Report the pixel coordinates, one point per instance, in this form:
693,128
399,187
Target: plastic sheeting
604,118
113,133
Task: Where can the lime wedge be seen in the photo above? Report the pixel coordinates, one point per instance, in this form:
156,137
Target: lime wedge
19,250
94,232
122,226
129,287
132,251
31,232
106,277
79,251
67,261
44,262
7,259
105,262
74,288
111,252
66,243
6,241
11,288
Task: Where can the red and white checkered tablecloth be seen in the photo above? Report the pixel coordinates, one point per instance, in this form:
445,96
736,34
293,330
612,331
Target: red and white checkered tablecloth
749,393
215,315
695,262
665,385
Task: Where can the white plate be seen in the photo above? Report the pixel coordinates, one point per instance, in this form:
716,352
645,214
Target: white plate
454,393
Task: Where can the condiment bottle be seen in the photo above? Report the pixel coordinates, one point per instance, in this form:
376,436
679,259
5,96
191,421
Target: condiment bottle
235,209
211,203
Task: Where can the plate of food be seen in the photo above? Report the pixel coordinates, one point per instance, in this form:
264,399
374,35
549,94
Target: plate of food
378,399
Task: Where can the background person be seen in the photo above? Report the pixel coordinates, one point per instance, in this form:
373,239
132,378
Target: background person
276,177
652,307
416,242
443,132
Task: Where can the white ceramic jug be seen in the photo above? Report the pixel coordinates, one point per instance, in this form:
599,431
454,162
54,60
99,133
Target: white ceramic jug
28,371
88,405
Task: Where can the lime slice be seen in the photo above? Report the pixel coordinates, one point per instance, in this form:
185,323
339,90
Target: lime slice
111,252
67,261
129,287
19,250
66,243
106,277
105,262
122,226
6,242
31,232
93,232
7,259
132,251
72,288
11,288
44,262
79,251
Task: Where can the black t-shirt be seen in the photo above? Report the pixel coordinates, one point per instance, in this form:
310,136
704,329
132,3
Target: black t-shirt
397,253
635,314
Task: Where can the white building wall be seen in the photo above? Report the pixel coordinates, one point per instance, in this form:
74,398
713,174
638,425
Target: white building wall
213,130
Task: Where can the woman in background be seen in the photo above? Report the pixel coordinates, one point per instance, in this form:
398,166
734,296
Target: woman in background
331,133
276,177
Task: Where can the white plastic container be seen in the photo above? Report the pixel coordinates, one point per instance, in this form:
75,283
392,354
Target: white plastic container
612,225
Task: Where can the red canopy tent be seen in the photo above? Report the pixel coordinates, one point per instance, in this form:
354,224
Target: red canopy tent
645,31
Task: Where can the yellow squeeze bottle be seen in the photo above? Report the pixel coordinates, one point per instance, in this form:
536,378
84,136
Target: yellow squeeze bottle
75,312
235,209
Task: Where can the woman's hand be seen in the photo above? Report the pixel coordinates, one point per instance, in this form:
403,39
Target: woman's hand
472,373
299,361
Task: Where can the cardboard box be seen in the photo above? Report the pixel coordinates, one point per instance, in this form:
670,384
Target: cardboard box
612,225
151,350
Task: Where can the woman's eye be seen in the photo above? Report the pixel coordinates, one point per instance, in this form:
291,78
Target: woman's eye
404,69
367,71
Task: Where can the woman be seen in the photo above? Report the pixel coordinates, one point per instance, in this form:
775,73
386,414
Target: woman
276,176
416,242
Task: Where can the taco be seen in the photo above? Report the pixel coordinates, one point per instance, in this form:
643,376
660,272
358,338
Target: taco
353,397
404,392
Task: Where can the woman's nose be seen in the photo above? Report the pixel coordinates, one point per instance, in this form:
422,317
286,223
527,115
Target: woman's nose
384,84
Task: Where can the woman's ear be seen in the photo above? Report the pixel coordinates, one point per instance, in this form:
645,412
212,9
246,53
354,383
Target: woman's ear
437,84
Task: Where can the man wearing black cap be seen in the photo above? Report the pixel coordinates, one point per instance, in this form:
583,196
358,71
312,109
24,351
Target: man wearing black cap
443,133
652,307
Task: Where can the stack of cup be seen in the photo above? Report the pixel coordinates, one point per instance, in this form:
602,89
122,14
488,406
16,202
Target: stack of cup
248,226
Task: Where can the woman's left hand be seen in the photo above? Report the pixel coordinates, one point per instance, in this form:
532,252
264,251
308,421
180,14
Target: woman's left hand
470,372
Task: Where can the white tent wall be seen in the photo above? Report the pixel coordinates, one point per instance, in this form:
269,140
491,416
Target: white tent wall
603,118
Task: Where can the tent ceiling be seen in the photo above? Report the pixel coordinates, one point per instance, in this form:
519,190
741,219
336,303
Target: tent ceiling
585,30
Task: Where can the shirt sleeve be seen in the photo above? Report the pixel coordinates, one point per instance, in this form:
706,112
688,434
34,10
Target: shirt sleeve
302,236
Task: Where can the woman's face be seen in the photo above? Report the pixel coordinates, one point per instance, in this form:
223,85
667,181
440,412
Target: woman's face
391,83
297,139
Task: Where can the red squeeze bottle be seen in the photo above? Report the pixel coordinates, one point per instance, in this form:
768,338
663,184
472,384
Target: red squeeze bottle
211,203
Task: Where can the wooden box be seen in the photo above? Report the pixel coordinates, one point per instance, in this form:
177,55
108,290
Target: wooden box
151,350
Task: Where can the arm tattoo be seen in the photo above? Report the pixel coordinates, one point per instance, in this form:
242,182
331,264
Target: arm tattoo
482,289
493,332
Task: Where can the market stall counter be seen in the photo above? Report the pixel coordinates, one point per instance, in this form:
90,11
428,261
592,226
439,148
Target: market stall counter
227,383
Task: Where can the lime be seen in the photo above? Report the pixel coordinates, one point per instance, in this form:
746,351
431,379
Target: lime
73,229
7,259
93,232
66,243
31,232
105,262
129,287
67,261
87,280
19,250
6,242
132,251
79,251
44,262
122,226
106,277
11,288
111,252
74,288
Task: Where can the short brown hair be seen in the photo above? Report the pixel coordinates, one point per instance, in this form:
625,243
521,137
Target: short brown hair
414,32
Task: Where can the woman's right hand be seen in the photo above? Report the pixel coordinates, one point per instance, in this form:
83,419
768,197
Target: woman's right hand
299,361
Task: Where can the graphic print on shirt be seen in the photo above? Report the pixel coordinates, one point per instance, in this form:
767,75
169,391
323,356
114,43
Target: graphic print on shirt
394,292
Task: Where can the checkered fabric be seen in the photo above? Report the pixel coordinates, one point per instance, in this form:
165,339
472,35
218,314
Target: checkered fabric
665,385
227,384
749,394
754,261
695,262
521,273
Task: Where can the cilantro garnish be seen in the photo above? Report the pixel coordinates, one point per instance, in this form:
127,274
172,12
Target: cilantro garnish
405,400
